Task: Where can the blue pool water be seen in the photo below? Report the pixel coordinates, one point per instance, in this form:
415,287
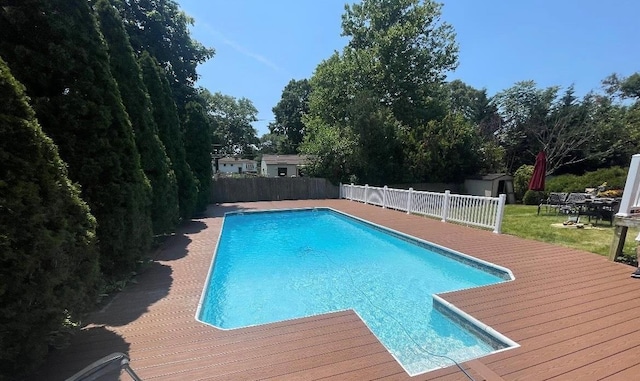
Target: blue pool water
273,266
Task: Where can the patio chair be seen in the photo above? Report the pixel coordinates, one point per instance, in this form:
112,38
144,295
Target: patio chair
112,364
573,203
556,200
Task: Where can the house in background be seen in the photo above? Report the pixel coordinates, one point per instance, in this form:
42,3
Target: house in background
491,185
235,165
282,165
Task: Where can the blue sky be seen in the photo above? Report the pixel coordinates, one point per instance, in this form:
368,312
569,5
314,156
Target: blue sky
261,45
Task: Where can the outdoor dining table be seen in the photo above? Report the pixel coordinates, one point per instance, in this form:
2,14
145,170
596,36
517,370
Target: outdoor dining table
598,208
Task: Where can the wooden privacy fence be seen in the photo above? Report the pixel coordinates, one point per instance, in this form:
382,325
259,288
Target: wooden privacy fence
485,212
272,189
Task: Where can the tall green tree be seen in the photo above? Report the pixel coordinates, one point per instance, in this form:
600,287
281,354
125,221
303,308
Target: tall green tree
55,49
402,51
541,119
162,29
618,137
332,149
198,150
443,150
232,118
153,156
272,144
625,87
394,66
166,117
363,147
48,253
620,115
478,110
293,104
475,106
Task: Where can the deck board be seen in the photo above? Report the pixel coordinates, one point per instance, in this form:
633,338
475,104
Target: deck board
575,315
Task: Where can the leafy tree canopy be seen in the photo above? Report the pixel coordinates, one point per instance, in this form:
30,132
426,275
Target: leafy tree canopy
293,104
543,119
272,144
408,50
628,87
232,120
381,91
162,29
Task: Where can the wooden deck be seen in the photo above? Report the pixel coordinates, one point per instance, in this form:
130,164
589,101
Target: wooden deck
575,315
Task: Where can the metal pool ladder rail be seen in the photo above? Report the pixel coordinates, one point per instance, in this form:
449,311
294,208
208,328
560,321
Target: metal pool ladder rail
114,362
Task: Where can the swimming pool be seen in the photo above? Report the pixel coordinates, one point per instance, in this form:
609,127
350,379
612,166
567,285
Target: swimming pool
279,265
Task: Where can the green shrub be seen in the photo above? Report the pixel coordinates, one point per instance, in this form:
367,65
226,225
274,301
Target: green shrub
532,197
564,183
615,178
521,180
48,254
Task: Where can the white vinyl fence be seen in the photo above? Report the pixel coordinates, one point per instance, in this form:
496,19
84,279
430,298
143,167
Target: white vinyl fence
485,212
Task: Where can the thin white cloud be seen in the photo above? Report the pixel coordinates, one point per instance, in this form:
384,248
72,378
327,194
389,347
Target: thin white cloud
242,50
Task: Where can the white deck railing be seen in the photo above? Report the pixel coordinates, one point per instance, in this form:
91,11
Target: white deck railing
630,204
485,212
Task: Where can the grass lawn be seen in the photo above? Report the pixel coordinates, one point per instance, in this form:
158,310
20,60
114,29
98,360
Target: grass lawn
523,221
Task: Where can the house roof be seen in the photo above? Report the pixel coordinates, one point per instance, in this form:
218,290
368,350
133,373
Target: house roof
490,176
234,160
285,159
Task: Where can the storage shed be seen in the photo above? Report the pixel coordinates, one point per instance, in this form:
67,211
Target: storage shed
491,185
283,165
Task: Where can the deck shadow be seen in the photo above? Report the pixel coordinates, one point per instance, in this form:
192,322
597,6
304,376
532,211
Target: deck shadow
191,227
88,345
215,210
127,306
175,247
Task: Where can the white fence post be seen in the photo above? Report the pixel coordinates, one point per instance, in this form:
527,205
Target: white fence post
498,228
384,197
341,192
409,200
445,205
351,192
366,190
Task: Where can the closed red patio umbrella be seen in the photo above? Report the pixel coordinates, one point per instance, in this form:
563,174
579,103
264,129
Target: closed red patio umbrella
539,172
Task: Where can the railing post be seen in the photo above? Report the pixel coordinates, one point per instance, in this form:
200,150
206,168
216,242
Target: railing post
384,197
631,192
351,192
409,196
498,223
366,190
341,192
445,205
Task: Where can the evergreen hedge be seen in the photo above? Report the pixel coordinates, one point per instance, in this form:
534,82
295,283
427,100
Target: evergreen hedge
615,177
55,49
198,150
153,156
166,117
48,253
